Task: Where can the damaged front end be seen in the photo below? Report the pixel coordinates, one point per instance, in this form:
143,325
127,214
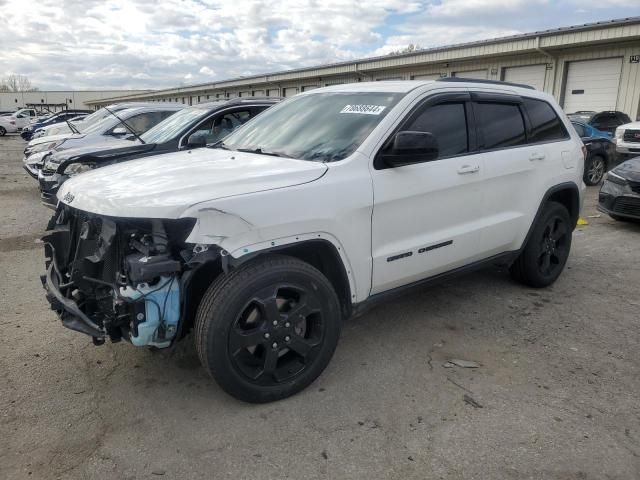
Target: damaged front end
122,278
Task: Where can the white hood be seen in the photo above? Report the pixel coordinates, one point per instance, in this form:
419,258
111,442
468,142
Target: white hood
164,186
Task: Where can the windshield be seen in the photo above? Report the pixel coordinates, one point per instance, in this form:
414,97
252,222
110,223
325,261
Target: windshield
323,127
108,121
172,126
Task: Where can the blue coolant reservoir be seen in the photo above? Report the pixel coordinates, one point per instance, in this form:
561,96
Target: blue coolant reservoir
162,305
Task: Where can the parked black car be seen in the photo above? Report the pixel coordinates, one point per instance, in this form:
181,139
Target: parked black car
620,193
601,152
63,116
605,121
192,127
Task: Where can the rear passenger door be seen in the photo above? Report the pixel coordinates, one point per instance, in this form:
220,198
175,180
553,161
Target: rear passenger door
426,215
515,135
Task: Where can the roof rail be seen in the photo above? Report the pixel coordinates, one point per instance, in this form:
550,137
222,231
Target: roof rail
479,80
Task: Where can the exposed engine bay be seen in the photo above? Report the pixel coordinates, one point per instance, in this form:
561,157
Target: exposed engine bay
122,278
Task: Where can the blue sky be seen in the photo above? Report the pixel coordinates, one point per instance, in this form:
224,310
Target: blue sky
63,44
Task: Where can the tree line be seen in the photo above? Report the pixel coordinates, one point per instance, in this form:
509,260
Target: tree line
16,83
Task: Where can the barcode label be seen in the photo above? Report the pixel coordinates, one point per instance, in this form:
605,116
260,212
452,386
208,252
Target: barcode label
363,109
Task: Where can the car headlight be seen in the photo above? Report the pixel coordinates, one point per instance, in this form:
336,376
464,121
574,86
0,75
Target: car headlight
615,178
51,163
619,133
42,147
76,168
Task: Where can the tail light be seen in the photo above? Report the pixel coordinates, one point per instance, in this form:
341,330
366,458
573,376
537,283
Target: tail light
584,152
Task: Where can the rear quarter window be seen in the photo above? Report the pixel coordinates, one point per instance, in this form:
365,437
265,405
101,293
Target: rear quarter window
501,125
546,126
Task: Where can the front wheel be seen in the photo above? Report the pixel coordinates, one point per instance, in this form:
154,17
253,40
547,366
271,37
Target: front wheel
546,252
594,170
268,329
3,131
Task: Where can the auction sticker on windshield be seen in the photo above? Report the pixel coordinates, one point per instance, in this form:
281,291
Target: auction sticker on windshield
363,109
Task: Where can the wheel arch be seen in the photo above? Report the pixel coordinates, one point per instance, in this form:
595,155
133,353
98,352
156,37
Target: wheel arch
322,254
567,194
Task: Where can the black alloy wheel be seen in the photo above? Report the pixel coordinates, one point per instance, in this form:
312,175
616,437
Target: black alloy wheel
553,246
268,328
545,254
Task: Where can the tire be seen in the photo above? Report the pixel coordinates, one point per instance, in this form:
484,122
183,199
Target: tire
251,358
3,131
546,252
594,170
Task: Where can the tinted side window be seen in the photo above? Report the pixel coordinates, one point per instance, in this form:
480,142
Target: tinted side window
501,125
448,124
545,124
218,127
144,121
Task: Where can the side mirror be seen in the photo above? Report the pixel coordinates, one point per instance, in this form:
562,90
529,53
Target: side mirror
411,147
117,132
197,140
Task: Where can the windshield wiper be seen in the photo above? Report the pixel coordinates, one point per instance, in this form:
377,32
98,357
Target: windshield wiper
126,125
72,127
219,144
260,151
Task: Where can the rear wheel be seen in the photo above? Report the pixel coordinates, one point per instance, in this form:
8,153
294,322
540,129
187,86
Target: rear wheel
544,256
594,171
268,329
3,131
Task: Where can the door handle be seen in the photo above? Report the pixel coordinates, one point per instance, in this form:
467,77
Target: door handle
536,156
465,169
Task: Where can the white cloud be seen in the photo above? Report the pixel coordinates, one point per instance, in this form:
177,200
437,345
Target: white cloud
161,43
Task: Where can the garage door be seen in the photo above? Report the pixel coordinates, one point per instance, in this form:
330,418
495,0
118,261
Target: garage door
471,74
258,93
273,92
290,91
592,85
428,76
532,75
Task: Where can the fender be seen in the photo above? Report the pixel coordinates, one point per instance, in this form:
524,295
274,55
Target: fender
241,241
574,210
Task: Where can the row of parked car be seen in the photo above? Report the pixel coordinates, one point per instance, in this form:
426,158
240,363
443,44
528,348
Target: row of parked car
261,224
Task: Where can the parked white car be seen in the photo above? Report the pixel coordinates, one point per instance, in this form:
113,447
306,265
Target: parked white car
308,214
15,122
627,138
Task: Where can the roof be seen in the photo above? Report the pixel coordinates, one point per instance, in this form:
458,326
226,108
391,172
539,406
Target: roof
391,86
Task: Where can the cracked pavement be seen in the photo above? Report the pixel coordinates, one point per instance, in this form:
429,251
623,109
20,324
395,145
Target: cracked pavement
558,380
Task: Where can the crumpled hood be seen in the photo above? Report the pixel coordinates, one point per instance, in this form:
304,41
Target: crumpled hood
629,170
51,138
164,186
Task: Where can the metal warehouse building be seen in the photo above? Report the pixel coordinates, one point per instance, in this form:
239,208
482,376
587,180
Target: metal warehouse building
594,66
58,100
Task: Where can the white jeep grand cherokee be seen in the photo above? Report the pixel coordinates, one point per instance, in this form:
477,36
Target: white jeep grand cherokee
316,209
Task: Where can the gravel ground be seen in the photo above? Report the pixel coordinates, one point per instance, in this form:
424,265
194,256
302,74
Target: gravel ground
556,394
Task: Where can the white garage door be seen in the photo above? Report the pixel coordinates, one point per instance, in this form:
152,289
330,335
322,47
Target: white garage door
532,75
290,91
428,76
273,92
258,93
471,74
592,85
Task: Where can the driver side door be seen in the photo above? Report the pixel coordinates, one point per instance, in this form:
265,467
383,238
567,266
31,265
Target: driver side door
427,216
